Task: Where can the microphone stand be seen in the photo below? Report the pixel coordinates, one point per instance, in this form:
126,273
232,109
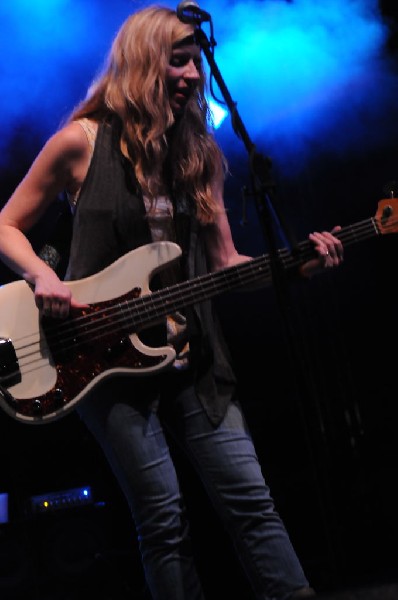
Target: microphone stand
267,209
260,166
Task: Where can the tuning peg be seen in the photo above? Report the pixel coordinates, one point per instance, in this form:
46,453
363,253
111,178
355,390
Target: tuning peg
390,189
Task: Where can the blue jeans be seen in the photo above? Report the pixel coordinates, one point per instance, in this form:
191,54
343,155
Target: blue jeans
132,435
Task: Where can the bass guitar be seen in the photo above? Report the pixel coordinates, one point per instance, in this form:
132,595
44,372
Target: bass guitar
48,365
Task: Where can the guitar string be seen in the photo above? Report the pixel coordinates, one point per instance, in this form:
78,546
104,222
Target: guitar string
245,272
249,277
248,273
161,292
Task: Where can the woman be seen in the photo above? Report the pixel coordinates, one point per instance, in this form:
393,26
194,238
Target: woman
139,164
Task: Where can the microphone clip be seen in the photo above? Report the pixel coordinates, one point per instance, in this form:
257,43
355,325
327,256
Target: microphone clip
189,12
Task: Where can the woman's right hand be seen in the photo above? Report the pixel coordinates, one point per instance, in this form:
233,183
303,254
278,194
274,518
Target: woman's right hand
53,297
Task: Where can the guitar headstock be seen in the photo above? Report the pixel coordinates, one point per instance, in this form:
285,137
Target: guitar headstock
387,215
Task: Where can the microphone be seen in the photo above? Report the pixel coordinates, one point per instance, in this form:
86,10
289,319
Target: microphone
189,12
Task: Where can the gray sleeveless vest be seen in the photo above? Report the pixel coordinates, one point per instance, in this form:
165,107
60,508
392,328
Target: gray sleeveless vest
110,221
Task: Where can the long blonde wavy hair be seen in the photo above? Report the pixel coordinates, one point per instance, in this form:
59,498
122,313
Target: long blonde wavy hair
132,85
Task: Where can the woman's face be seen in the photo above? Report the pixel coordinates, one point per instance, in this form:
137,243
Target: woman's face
183,75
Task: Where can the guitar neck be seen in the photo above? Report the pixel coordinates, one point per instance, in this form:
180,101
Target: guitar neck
348,235
150,308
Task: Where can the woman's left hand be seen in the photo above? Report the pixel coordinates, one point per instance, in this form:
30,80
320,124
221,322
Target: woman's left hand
329,249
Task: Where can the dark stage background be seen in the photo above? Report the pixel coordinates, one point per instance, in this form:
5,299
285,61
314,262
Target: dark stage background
316,377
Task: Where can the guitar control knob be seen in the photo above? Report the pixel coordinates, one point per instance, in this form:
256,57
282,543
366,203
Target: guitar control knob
59,396
37,408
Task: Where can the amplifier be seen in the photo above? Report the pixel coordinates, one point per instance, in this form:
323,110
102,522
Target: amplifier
52,501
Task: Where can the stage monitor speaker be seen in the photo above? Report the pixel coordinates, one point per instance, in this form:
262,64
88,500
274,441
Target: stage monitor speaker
78,549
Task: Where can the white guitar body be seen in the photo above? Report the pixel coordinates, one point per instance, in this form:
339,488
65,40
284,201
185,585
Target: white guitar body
20,324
